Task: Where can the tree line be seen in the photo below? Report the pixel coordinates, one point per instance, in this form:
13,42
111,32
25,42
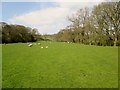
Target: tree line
96,26
17,33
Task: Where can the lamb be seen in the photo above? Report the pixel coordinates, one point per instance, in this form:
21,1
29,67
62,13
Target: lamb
46,47
41,47
30,45
38,43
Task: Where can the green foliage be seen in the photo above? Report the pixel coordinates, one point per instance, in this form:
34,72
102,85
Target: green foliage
62,65
18,33
0,66
98,26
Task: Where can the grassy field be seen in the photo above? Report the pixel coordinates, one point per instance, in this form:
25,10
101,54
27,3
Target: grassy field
61,65
0,66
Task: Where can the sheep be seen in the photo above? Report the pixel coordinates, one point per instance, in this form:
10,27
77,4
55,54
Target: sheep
27,43
30,45
41,47
46,47
38,43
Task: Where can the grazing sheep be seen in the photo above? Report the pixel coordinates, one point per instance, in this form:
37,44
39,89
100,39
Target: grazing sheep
38,43
41,47
30,45
46,47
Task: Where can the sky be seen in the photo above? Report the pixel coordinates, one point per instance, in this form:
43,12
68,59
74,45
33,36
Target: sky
48,17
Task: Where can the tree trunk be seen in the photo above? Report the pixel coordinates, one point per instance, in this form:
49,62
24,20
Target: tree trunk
73,40
79,40
115,41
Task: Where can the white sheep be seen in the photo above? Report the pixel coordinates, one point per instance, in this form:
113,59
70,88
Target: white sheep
41,47
30,45
46,47
38,43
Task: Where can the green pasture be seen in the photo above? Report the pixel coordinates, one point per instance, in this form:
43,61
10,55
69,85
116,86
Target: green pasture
61,65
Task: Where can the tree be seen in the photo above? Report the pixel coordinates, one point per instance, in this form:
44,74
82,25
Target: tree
17,33
78,21
106,15
97,26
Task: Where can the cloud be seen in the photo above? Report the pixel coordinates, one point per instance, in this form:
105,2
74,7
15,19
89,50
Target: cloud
52,0
50,20
44,16
78,3
50,28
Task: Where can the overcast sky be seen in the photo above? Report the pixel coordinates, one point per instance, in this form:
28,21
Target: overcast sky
47,17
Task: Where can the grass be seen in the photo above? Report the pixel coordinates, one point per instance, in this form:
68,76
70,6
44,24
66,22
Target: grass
0,66
62,65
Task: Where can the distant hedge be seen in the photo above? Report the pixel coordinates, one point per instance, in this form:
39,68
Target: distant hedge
17,33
